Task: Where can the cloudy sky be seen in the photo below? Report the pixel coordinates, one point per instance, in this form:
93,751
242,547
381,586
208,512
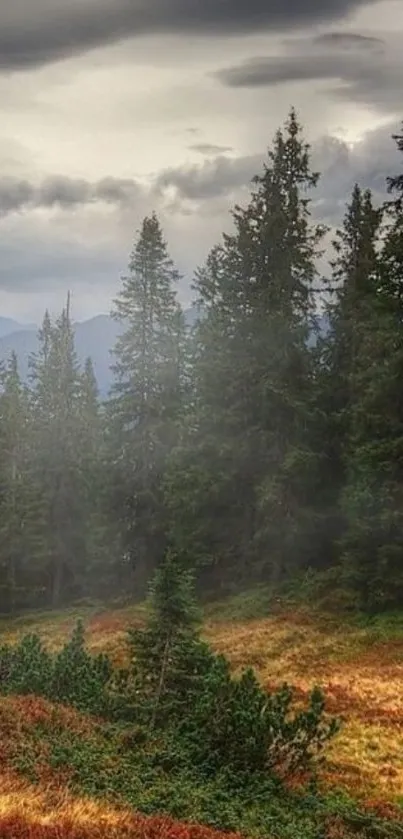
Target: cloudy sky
112,108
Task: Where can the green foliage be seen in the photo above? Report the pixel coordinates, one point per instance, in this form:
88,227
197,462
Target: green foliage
79,678
72,676
104,764
27,668
207,718
247,605
146,399
236,724
170,661
217,720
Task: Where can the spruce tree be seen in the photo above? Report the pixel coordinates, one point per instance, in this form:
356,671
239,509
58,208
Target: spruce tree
146,398
169,659
365,364
249,448
98,565
55,402
15,495
351,316
372,499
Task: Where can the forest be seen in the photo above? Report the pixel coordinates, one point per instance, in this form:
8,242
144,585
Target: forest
257,446
229,525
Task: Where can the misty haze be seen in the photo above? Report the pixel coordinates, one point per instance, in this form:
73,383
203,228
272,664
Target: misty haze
201,419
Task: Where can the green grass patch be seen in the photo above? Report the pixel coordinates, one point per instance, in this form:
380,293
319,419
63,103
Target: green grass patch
249,605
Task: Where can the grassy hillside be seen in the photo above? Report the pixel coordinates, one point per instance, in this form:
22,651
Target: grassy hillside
79,790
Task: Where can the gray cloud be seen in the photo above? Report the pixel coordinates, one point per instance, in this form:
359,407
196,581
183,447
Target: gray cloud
35,32
18,195
348,40
90,249
37,258
368,162
209,149
360,68
212,179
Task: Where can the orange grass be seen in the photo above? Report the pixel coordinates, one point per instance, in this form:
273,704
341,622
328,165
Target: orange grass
362,680
362,684
28,812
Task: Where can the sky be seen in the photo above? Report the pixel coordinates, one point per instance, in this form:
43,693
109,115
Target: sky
111,109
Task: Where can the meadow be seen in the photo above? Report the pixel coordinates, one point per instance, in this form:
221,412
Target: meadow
62,777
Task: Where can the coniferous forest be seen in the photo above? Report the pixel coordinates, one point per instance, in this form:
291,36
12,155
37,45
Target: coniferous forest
253,462
259,447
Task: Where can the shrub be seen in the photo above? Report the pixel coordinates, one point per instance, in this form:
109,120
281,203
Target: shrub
72,676
26,668
219,722
79,678
236,724
202,714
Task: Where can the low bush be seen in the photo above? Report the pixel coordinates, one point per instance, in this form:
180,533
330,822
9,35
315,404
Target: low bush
72,676
178,692
218,720
236,724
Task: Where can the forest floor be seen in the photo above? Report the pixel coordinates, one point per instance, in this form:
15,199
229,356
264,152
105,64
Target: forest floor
359,664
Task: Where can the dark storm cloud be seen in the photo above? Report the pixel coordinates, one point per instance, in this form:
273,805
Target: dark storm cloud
21,195
35,32
359,68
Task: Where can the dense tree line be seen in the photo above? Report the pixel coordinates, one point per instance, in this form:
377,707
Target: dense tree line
254,451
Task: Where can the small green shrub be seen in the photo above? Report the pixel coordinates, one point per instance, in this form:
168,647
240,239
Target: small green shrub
216,721
79,678
177,693
26,668
236,724
72,676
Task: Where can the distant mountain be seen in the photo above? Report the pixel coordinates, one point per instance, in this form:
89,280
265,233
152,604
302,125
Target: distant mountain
95,337
8,326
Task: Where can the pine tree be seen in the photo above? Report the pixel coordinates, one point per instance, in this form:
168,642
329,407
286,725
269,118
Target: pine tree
351,313
249,448
55,400
365,363
169,659
373,496
146,397
14,484
97,570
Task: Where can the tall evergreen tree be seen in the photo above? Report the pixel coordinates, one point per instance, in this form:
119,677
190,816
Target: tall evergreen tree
252,465
98,565
146,397
373,496
55,397
351,313
16,500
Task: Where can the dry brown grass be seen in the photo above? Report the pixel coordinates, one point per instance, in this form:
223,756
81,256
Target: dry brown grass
28,812
363,680
363,684
48,805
